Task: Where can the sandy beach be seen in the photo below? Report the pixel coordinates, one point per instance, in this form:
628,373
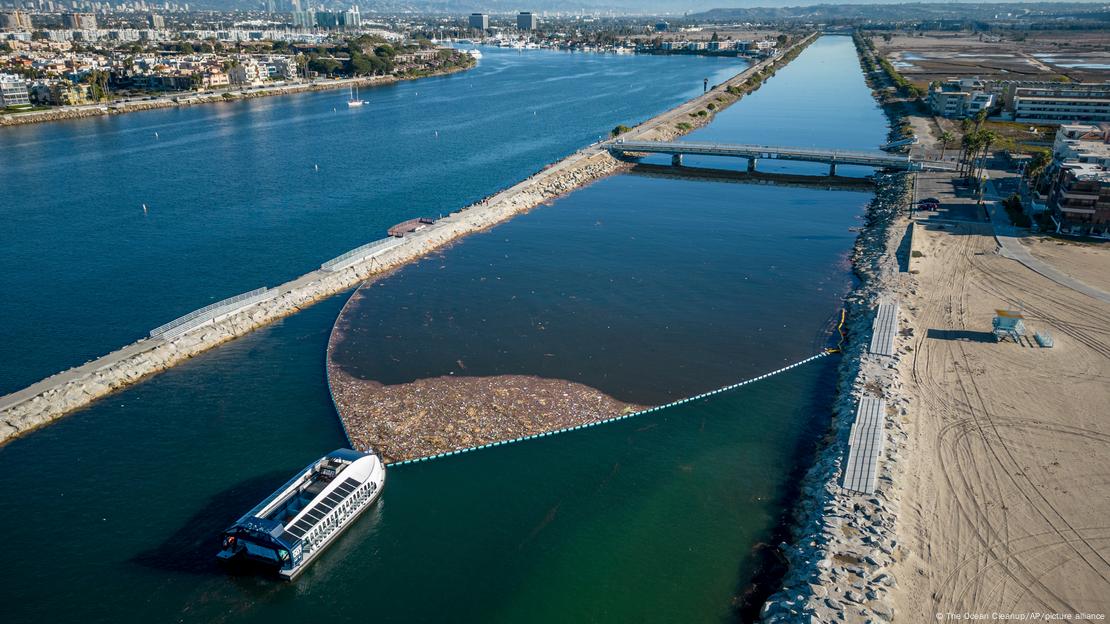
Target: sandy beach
1005,496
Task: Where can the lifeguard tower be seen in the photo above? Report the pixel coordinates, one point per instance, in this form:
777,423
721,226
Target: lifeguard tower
1008,324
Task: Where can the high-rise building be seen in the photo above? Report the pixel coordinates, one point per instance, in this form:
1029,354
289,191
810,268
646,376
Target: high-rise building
15,20
479,21
526,20
352,18
157,22
327,19
79,21
304,19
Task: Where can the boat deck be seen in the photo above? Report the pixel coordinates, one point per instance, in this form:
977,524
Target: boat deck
296,502
316,513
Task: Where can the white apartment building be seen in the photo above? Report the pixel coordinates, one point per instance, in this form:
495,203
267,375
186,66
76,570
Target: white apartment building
959,98
1056,102
1082,143
13,91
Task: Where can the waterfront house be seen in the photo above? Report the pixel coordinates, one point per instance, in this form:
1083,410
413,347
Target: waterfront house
13,92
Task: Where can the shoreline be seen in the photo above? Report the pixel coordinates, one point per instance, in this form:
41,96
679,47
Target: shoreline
59,394
844,544
190,98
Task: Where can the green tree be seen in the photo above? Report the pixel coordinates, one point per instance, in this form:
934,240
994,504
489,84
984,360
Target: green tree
1038,165
186,48
986,139
361,65
946,137
326,66
98,84
980,117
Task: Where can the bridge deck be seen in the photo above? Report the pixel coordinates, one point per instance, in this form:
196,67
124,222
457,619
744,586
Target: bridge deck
771,152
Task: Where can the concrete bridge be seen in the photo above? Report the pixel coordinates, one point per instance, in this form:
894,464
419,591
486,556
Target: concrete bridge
833,157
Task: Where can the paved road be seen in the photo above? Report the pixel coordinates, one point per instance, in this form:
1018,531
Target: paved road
1008,238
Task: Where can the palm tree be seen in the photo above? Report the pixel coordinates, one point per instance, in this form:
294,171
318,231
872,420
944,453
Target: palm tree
987,138
946,137
968,144
980,117
1038,164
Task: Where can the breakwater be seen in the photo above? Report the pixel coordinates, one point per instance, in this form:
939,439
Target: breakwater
55,396
192,99
845,543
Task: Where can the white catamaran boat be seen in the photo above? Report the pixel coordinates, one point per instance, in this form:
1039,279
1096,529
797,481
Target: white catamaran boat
289,529
354,101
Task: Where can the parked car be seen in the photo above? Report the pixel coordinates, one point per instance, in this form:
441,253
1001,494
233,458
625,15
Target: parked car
929,203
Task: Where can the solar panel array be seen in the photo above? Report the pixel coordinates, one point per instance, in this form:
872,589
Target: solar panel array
884,328
320,510
865,445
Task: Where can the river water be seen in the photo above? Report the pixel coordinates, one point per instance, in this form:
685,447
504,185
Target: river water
113,513
253,193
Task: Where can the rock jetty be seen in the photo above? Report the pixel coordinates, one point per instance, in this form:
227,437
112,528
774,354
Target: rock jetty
845,542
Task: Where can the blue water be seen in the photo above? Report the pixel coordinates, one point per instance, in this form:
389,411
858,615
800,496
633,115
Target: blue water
234,200
648,289
113,513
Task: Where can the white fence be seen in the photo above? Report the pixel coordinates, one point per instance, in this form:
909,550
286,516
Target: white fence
359,254
210,312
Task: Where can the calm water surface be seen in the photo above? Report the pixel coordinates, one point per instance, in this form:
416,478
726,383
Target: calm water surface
235,201
647,289
113,513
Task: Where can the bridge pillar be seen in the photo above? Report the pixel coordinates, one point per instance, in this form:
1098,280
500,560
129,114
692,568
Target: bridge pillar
832,169
676,160
751,165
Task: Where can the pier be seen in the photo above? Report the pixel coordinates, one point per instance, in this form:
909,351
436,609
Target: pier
753,153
